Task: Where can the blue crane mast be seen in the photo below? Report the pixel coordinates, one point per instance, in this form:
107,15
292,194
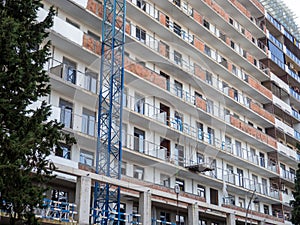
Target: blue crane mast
109,134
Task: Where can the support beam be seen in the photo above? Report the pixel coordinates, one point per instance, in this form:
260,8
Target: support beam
145,207
83,199
193,214
230,219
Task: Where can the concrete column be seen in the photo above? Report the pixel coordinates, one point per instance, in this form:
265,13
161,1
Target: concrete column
83,199
145,208
230,219
193,214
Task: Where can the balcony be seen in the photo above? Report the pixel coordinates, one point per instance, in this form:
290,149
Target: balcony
284,127
241,14
238,180
255,7
160,121
253,132
75,84
287,175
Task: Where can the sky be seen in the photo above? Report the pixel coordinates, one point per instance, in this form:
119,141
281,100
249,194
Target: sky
294,5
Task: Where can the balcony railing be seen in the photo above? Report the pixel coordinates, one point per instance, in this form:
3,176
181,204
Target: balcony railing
57,210
155,113
239,180
85,80
287,175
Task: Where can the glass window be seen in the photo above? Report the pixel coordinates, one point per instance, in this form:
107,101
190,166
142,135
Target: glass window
139,104
178,155
180,183
64,152
90,81
86,157
177,58
140,34
177,29
201,191
178,89
138,172
88,122
59,195
66,111
69,70
139,140
165,180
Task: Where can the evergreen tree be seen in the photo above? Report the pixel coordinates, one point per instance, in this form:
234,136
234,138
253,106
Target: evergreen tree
26,138
296,193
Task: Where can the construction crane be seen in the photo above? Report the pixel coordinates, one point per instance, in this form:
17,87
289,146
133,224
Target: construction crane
109,134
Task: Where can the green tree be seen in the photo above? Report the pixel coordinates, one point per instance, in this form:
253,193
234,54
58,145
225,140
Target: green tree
26,137
296,193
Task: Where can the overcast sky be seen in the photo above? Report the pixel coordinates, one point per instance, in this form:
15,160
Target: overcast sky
295,6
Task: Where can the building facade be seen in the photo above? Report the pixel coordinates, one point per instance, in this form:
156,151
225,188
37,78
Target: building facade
211,105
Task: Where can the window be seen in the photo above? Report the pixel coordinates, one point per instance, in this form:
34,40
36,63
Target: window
140,34
228,144
201,191
177,2
200,133
214,196
178,89
179,220
241,202
206,24
138,172
200,158
72,23
207,50
69,70
139,140
209,106
238,148
264,185
64,152
123,168
266,210
209,78
178,155
139,104
65,113
59,195
177,58
262,159
178,121
93,35
230,174
177,29
180,183
86,157
141,4
240,174
90,81
167,77
88,122
164,152
164,180
211,135
124,135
